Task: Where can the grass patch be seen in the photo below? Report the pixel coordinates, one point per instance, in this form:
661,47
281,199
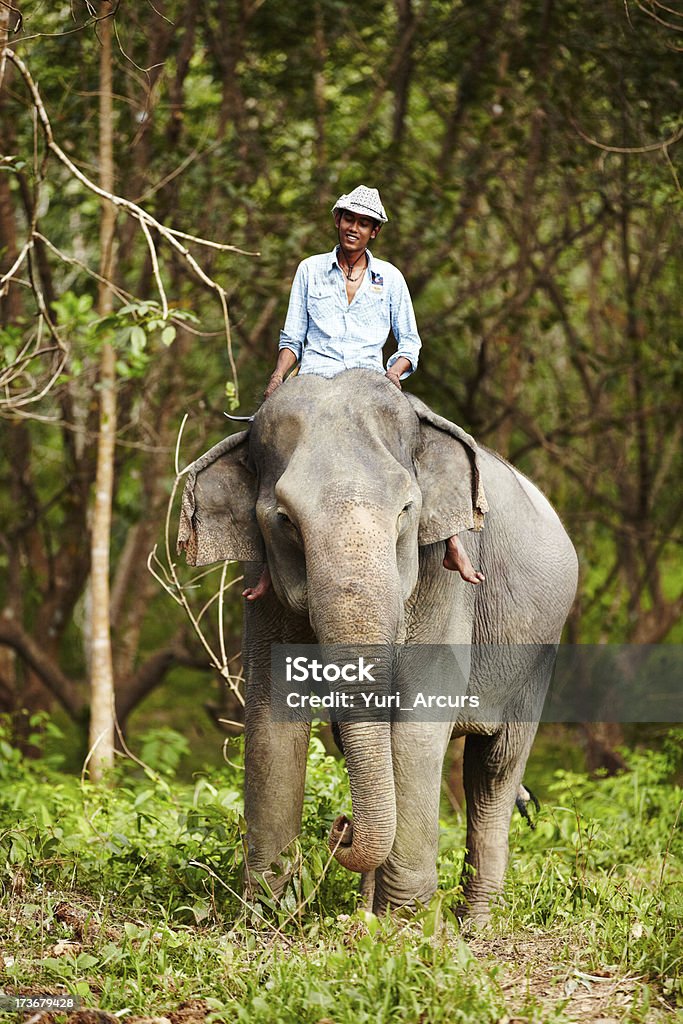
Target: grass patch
129,896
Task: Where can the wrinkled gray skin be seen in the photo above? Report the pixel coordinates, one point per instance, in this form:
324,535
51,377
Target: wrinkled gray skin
353,487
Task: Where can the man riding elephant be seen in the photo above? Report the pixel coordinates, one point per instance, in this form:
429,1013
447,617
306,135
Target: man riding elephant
342,306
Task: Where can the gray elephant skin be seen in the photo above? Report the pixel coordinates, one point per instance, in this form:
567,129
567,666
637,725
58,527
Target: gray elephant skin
349,488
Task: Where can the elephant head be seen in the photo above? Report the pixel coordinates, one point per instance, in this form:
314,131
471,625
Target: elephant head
337,484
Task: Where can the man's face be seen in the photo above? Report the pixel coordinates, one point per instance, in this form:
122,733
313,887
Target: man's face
355,232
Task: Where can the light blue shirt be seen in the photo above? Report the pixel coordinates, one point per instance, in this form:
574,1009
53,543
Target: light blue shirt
328,334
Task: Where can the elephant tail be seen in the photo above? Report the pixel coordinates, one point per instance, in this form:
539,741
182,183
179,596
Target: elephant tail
524,798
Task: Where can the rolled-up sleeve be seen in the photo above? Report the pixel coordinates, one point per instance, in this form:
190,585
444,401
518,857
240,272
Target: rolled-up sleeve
293,335
404,325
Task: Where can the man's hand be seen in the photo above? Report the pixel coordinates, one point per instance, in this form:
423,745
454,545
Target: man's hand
274,383
397,369
285,361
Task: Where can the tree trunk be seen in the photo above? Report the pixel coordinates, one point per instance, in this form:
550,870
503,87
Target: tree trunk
101,738
5,13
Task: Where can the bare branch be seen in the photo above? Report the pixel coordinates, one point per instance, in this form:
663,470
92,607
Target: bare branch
16,266
652,8
652,148
150,674
13,635
165,573
212,245
155,269
144,218
119,292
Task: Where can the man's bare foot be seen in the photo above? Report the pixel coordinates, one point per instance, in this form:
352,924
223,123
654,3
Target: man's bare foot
457,561
261,588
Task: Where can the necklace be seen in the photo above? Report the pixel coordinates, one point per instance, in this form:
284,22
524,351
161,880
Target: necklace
352,266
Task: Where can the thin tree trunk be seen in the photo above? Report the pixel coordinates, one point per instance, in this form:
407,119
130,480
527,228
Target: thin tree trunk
320,56
101,738
404,72
10,312
5,12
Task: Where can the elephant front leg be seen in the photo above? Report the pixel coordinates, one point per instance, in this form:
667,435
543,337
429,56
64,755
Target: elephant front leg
492,771
408,877
275,772
274,751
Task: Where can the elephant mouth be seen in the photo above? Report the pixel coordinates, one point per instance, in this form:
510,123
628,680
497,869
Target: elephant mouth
293,596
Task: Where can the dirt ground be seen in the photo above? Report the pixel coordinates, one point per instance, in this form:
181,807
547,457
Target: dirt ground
546,966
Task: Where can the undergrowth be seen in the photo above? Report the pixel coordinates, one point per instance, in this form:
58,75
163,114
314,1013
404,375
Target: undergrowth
130,896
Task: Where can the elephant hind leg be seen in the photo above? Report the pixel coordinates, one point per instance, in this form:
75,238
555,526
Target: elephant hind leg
492,772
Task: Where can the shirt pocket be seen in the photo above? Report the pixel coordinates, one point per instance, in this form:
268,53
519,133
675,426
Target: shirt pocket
322,306
372,311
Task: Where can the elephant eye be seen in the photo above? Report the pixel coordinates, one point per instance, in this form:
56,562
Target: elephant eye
289,530
403,522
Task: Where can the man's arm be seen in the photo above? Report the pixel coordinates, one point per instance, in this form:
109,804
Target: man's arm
404,328
293,335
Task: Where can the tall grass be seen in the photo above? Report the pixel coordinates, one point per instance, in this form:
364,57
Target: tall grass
130,896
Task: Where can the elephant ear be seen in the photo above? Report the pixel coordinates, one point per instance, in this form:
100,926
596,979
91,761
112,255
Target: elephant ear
217,515
447,466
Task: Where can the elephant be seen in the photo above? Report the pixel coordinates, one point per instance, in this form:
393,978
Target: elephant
347,487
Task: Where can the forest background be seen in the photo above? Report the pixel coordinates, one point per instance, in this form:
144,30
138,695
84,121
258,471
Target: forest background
527,154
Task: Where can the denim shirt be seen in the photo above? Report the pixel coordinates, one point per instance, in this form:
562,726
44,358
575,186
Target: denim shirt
328,334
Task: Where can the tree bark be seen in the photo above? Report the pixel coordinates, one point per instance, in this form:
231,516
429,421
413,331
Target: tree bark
404,72
5,12
101,736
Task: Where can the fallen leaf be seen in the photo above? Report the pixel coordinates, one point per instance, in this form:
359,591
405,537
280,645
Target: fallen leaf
66,948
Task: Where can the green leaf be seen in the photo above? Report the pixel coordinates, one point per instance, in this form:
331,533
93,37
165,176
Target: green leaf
168,335
138,339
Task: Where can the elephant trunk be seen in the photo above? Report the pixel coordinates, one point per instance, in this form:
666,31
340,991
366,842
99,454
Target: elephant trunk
364,842
359,606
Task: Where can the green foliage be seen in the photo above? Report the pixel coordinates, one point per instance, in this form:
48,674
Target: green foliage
162,749
545,270
10,343
134,329
140,884
135,836
379,975
607,856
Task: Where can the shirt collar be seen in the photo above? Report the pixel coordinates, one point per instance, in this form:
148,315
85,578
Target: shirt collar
332,259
